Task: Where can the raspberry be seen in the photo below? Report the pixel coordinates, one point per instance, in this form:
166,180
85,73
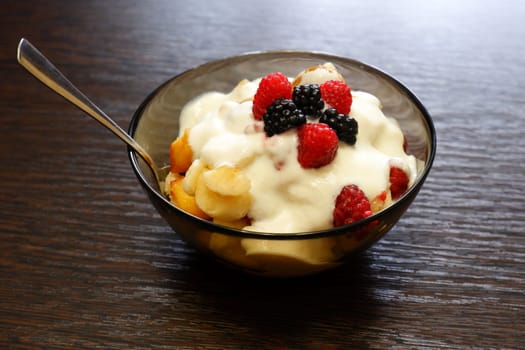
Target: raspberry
271,87
344,126
337,94
282,115
317,145
308,99
398,182
351,205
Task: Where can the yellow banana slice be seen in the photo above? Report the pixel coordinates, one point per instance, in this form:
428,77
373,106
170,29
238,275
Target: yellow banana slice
221,207
226,181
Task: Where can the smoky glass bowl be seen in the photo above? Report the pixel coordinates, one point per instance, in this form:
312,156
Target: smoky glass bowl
155,125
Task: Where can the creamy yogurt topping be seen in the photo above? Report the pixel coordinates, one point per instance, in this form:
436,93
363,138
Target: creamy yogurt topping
286,197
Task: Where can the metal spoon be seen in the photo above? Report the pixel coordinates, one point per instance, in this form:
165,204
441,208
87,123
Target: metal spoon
42,69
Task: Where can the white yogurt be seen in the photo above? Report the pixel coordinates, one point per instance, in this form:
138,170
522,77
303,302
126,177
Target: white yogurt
286,197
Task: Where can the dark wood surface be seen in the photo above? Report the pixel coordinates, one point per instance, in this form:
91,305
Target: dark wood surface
86,262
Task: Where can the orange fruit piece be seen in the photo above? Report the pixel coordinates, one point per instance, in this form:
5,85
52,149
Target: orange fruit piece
183,200
181,154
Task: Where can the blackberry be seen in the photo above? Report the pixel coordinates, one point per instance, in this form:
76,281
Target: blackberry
308,99
345,127
282,115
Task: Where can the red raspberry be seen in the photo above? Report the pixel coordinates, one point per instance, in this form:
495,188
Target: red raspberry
337,94
398,182
351,205
317,146
271,87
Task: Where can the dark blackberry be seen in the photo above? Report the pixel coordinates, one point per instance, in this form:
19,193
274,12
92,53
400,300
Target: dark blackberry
282,115
345,127
308,99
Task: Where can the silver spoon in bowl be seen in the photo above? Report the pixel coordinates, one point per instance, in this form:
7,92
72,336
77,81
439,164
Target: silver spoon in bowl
42,69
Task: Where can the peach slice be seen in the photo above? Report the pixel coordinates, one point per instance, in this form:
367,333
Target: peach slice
181,154
184,201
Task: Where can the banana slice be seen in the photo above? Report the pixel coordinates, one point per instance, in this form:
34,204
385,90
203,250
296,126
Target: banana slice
292,258
192,175
227,181
221,207
317,75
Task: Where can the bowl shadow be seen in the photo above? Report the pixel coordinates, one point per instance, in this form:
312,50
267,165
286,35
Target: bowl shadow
340,301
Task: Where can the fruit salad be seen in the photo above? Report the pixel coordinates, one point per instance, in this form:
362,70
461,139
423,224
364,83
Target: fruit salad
288,154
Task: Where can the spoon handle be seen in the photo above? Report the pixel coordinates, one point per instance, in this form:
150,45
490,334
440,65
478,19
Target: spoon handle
42,69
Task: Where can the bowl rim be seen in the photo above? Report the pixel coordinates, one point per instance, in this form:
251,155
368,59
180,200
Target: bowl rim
334,231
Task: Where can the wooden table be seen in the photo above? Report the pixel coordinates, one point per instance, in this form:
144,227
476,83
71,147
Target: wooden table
86,262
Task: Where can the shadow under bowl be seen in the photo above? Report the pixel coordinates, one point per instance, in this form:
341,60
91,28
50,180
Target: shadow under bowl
155,125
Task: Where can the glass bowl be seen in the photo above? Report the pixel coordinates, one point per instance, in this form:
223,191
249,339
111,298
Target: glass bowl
155,125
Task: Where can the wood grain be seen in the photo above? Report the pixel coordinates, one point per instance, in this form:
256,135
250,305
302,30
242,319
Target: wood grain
86,262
